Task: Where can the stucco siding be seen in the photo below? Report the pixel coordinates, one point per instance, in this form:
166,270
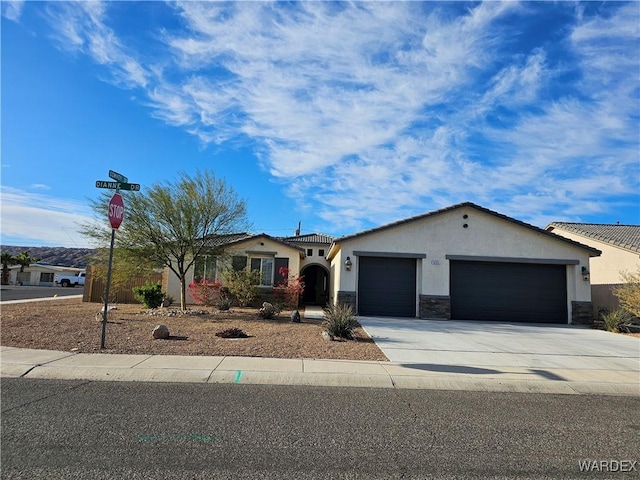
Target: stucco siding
606,268
258,246
485,235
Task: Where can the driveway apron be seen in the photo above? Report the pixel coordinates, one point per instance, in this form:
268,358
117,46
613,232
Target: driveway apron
503,345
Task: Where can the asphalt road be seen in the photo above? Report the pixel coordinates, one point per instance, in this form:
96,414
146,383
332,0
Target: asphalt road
91,430
24,292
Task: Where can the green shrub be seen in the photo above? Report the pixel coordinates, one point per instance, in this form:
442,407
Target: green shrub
629,292
224,304
242,285
615,321
340,320
150,295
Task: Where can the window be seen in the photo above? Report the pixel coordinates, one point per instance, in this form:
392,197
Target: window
309,252
46,277
321,252
205,268
265,266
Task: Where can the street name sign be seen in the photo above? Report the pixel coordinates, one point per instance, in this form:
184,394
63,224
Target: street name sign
134,187
118,176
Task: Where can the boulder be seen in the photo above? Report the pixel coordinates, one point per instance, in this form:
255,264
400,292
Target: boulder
267,310
295,316
161,331
327,336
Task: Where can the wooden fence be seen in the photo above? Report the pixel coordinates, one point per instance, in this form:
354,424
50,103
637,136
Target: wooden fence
94,287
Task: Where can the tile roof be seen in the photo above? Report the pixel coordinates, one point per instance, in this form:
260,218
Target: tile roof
218,240
309,238
623,236
231,238
593,251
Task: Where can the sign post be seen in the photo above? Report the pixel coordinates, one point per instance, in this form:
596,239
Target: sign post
115,215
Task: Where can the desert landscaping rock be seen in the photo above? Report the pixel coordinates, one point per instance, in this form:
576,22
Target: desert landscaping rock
267,310
28,325
327,336
295,316
160,332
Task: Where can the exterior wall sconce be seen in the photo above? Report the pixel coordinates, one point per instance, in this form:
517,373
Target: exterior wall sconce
585,274
348,264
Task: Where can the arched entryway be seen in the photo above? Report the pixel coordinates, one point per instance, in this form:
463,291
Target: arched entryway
316,285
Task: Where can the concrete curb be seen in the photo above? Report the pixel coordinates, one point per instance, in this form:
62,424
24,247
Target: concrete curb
43,364
44,299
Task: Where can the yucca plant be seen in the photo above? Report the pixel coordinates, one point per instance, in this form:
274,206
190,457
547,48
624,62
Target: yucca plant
615,321
340,320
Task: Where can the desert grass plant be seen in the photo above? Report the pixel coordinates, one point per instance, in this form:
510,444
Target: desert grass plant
615,321
340,321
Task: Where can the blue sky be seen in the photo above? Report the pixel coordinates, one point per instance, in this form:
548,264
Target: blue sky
343,116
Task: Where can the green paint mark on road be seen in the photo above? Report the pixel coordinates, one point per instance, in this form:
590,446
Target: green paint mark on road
194,437
238,375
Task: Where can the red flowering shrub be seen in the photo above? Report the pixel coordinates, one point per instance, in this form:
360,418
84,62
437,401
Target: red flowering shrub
289,290
206,292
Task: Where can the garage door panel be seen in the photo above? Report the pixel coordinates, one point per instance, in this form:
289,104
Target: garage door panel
387,286
508,292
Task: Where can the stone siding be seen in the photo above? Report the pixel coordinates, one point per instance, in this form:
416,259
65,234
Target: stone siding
435,306
347,298
581,313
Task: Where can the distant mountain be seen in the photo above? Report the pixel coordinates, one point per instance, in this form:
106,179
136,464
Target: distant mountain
66,257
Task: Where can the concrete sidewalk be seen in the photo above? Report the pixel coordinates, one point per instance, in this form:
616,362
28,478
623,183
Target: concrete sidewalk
44,364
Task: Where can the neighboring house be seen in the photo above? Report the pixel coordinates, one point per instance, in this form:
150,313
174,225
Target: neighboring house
39,274
463,262
620,246
299,255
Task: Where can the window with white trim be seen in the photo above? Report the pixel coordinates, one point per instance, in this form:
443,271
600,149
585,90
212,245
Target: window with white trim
205,268
265,266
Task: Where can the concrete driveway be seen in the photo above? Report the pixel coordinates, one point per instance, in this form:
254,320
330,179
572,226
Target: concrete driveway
491,347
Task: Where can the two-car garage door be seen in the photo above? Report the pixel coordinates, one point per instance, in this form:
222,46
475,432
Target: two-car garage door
479,290
514,292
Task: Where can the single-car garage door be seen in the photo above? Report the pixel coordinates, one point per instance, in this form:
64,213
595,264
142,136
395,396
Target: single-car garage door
514,292
387,286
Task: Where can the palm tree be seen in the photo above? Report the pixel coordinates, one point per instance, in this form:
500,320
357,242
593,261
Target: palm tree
24,260
6,259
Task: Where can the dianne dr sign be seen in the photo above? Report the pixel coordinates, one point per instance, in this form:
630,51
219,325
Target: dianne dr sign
134,187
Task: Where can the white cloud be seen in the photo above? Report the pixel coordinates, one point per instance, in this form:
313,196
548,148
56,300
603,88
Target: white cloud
373,111
81,27
36,219
12,9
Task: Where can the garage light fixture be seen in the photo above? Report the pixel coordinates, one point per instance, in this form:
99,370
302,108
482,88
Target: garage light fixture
348,264
585,274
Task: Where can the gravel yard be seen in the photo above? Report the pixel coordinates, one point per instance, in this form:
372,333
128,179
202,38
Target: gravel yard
71,325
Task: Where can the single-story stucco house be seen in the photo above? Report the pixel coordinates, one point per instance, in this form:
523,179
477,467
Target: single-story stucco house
620,246
300,255
462,262
39,274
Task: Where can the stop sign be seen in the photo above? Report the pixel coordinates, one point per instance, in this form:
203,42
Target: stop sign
116,210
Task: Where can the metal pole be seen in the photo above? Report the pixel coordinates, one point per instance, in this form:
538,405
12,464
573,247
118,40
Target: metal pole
106,292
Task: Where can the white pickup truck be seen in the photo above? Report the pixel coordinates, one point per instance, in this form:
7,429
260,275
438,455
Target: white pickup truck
70,280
